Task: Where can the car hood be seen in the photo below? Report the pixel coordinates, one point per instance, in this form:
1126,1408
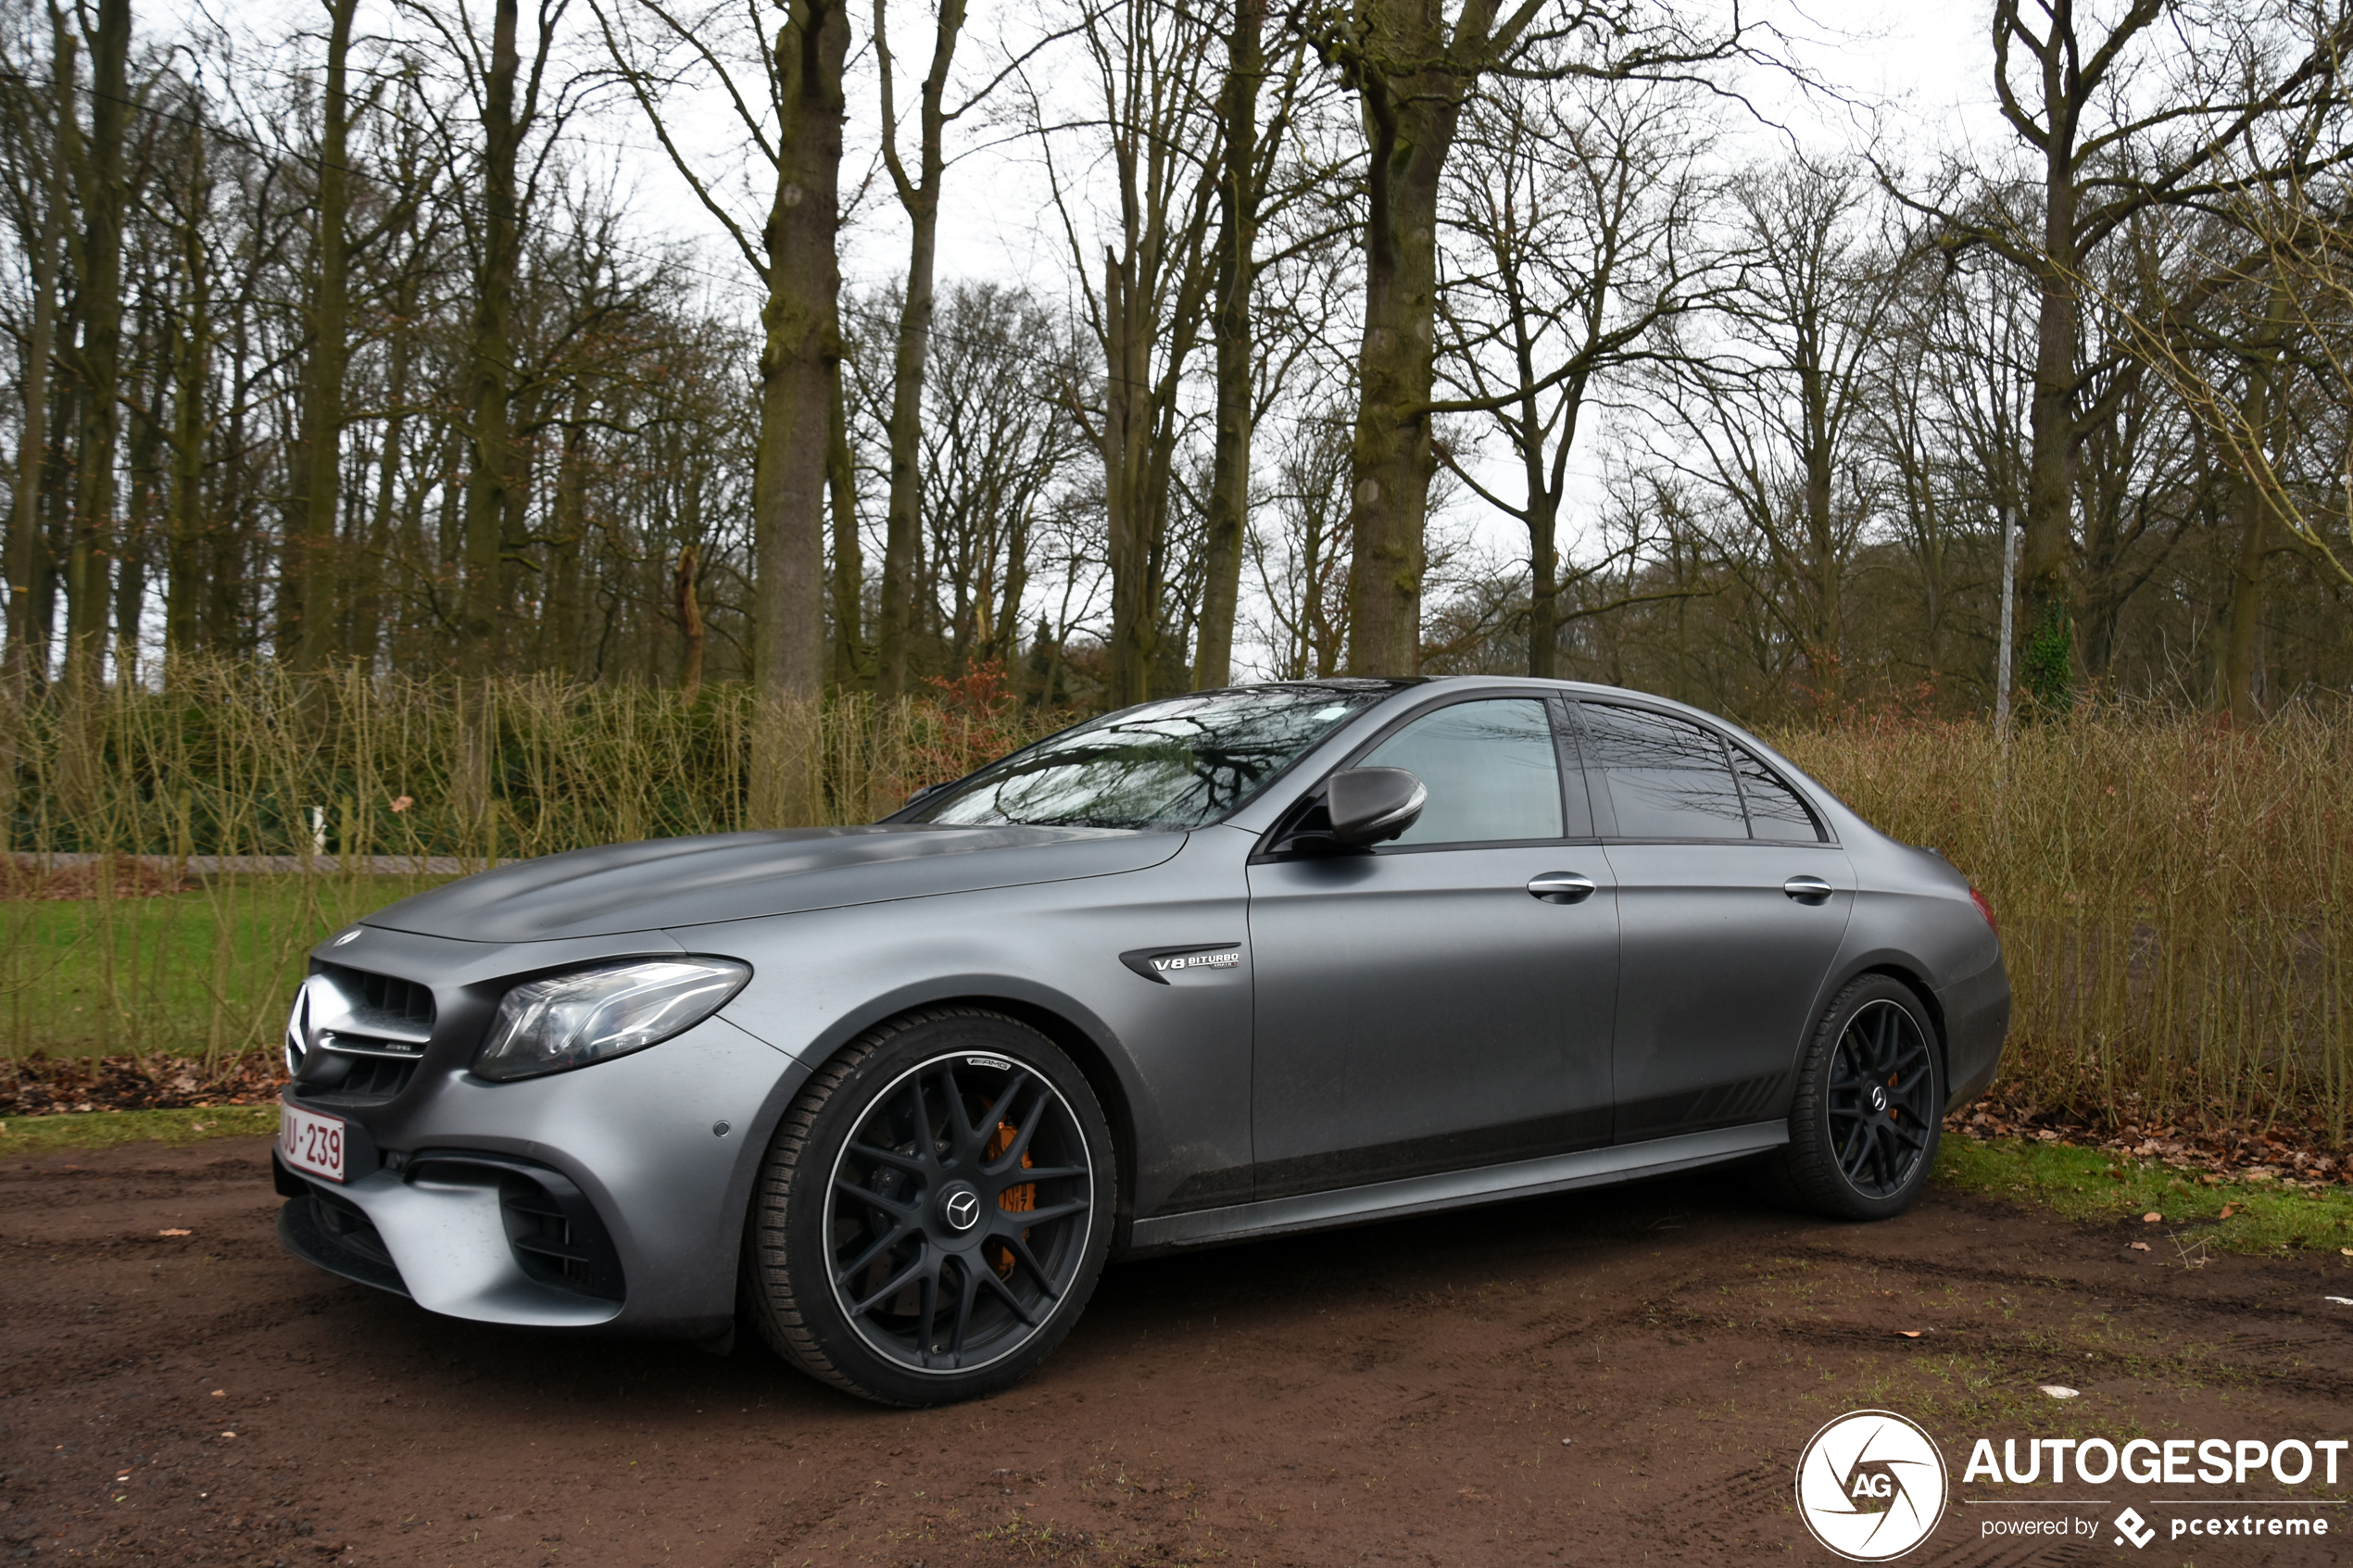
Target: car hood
676,882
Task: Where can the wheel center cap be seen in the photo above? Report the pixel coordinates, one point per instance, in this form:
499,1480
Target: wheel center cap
1879,1096
959,1209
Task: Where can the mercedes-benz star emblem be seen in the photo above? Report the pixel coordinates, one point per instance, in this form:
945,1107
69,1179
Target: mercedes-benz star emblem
961,1210
1878,1097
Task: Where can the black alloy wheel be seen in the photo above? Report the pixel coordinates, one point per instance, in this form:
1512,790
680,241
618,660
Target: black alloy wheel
1882,1102
959,1212
1870,1105
959,1218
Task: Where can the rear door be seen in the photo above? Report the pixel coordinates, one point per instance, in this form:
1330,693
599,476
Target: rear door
1731,906
1417,1008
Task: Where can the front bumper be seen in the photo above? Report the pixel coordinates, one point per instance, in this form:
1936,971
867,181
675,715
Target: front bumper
610,1194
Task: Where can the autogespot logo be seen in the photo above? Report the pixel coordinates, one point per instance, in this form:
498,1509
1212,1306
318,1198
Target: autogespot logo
1870,1485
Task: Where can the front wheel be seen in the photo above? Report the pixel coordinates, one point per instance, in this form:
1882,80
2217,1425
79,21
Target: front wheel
935,1209
1863,1127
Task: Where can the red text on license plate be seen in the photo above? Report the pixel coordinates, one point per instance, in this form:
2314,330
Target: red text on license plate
310,1142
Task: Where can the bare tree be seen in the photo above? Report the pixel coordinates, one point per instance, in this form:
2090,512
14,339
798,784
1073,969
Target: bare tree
793,117
1576,214
1772,411
2074,88
1413,69
1152,122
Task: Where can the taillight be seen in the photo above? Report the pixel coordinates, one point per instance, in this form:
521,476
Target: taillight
1985,908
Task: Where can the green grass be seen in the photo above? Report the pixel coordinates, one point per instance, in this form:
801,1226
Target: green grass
2095,1185
104,1129
188,975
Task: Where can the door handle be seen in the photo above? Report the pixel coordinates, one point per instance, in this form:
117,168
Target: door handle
1808,889
1561,887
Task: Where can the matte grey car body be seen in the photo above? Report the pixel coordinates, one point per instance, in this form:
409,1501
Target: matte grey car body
1278,1041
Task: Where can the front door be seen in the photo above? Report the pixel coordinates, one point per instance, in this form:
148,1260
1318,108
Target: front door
1417,1008
1724,944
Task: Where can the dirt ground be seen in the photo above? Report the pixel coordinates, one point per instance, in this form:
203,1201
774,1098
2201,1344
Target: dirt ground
1612,1378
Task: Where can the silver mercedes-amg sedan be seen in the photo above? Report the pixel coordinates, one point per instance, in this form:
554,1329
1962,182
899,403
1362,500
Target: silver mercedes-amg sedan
1248,961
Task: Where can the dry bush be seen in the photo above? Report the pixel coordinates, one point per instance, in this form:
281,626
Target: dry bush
2176,899
236,761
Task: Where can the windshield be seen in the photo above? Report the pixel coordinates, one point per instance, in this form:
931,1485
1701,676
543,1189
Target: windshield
1173,764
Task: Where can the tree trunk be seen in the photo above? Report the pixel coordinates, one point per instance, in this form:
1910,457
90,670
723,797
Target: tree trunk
1409,126
1126,443
558,622
368,581
191,342
99,290
134,555
311,567
690,625
25,554
491,460
1229,509
2045,581
802,347
2243,622
919,197
853,657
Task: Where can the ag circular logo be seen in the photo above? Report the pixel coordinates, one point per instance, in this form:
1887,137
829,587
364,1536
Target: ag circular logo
961,1209
1870,1485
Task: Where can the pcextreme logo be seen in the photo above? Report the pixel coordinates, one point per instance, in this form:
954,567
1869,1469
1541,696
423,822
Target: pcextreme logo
1870,1485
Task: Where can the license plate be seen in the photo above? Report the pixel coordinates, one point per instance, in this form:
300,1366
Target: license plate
310,1142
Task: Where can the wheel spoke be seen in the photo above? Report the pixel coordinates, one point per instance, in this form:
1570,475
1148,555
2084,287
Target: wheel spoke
1018,1245
964,1138
924,1138
968,1280
1849,1148
1011,1158
851,1269
927,1311
894,1285
905,1214
987,1277
1046,1174
1018,1081
913,1164
1035,1217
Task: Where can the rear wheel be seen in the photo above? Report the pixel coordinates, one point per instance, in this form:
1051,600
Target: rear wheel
934,1212
1864,1124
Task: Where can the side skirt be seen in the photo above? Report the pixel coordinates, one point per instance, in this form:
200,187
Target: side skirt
1458,1190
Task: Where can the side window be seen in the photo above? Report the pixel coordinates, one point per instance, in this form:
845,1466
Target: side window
1774,809
1489,767
1667,778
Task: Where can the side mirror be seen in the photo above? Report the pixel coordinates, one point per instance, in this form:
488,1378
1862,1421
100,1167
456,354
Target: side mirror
1372,806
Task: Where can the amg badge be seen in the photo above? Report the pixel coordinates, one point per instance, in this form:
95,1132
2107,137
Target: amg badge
1157,965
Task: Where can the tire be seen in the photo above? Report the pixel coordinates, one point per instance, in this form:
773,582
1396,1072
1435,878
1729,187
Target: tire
1850,1156
934,1212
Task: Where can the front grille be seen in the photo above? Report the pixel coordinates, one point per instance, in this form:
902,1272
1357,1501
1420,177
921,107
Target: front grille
364,1080
357,1037
383,1001
554,1231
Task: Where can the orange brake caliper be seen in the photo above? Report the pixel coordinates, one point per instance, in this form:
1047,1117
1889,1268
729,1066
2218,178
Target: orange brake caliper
1014,1199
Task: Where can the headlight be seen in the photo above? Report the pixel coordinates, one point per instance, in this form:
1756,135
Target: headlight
593,1014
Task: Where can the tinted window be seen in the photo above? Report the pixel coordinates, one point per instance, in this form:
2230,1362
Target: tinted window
1490,768
1173,764
1774,809
1667,778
